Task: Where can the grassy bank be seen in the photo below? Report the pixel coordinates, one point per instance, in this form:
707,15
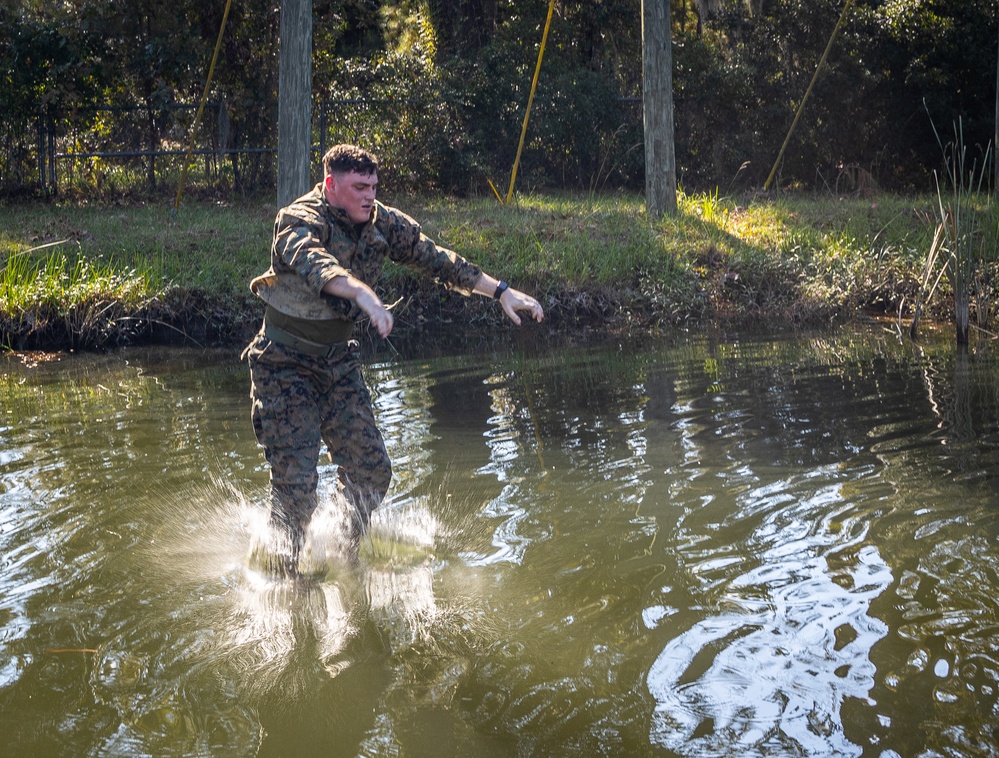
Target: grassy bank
88,276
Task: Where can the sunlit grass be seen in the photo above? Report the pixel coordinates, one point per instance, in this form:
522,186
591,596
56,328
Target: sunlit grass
61,282
208,246
560,239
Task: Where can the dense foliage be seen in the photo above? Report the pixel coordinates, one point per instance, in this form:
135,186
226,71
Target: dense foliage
444,87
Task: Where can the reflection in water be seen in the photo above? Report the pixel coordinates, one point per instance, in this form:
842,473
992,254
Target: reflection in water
276,620
771,668
700,547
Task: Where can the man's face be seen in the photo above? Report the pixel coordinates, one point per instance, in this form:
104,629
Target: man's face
353,192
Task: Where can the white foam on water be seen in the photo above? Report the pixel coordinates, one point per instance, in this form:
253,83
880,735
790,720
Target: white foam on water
326,548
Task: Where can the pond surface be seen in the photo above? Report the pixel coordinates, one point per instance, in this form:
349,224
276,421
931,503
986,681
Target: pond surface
701,546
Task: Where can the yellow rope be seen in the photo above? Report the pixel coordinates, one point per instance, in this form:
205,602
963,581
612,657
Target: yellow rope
495,191
530,100
801,106
201,107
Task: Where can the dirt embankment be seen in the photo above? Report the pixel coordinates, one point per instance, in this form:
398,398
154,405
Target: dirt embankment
193,317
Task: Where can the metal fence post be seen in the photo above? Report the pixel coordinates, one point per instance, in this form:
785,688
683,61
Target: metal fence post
52,153
41,151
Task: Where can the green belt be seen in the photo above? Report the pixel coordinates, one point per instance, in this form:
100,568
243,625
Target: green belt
318,349
323,332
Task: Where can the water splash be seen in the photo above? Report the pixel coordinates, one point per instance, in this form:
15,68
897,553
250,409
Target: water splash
327,546
215,560
404,534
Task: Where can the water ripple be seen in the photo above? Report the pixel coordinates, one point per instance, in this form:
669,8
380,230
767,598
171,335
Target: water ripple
758,679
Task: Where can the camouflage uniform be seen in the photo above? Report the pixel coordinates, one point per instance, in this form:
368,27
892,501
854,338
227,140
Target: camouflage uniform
307,385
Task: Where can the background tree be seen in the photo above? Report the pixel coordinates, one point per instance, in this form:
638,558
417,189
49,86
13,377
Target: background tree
657,101
439,87
294,100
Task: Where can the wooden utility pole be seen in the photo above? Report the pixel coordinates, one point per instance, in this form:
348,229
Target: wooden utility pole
657,104
294,100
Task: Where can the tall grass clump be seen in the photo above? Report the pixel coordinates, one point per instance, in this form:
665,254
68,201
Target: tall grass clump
72,300
964,241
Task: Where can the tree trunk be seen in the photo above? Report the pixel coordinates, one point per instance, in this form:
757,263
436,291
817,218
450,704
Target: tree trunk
657,102
294,100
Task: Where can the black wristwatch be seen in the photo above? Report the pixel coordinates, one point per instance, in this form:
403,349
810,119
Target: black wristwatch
500,289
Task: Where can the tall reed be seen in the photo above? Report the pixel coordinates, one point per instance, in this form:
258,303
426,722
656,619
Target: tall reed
960,244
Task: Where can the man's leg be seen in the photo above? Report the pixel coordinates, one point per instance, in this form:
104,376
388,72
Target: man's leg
356,445
286,423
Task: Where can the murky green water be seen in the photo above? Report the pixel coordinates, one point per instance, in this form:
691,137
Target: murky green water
698,547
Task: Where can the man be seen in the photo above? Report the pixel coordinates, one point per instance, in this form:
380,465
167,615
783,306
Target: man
307,388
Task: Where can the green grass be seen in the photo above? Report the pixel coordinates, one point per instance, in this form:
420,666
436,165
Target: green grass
576,242
208,246
776,259
56,281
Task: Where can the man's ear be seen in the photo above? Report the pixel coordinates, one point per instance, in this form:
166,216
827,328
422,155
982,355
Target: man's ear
329,187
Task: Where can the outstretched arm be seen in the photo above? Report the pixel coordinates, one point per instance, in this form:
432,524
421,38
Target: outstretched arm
513,301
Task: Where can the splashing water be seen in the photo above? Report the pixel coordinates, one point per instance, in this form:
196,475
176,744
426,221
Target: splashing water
722,548
400,535
263,622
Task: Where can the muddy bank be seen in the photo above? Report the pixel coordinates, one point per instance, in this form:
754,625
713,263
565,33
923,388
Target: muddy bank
423,311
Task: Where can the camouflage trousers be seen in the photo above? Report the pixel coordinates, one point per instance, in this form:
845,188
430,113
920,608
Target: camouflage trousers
300,401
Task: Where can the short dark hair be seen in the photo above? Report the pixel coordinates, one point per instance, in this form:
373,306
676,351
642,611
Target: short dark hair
342,159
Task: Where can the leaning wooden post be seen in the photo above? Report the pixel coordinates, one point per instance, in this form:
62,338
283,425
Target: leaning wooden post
811,86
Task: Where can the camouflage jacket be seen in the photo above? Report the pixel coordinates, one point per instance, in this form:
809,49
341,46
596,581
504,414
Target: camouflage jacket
315,242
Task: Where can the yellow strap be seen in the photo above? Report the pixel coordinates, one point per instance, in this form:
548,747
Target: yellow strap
530,101
197,117
801,106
